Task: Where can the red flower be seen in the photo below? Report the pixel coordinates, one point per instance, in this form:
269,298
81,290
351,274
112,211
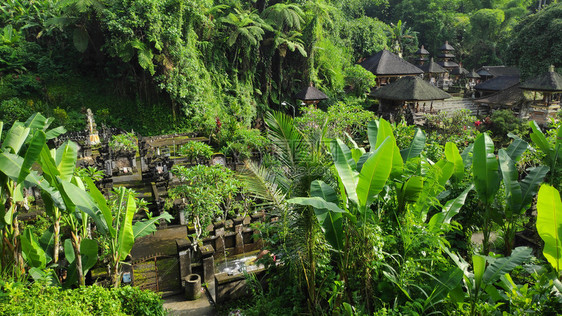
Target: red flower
477,123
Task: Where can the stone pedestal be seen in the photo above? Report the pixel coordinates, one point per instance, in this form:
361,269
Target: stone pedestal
184,253
239,245
208,263
219,241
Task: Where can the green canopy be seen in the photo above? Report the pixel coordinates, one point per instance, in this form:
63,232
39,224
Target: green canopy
410,89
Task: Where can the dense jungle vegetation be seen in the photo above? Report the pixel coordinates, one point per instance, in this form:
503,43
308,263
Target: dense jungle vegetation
373,217
189,64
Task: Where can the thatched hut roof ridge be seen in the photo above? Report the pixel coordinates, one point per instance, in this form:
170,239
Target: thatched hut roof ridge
410,89
432,68
549,81
310,94
386,63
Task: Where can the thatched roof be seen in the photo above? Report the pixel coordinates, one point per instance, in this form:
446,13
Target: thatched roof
473,74
459,71
498,83
410,89
497,71
508,97
422,51
548,81
386,63
310,94
446,47
432,68
446,55
448,64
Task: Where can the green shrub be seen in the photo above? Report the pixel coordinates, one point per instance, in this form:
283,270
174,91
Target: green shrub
196,151
124,142
341,118
502,122
244,142
38,299
14,109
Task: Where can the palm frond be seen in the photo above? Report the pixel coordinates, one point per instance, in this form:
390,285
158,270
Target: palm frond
288,143
262,184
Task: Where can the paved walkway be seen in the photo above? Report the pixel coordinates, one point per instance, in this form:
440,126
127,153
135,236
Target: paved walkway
178,305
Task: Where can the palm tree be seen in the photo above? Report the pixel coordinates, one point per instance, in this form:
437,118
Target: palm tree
245,32
318,15
301,161
401,37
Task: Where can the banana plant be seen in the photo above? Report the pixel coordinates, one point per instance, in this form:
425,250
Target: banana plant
18,152
69,202
486,272
552,153
120,232
486,173
549,225
519,195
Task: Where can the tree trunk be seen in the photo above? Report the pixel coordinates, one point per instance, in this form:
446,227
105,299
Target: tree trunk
76,240
56,232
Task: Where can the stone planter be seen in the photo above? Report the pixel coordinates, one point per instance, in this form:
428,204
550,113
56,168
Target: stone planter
192,287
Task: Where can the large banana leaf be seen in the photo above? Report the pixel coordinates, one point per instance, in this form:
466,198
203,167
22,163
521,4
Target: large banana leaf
65,159
126,237
513,194
452,154
148,226
467,155
380,130
409,191
372,133
49,166
451,208
530,185
75,197
540,140
485,168
10,165
320,189
329,216
516,148
549,224
374,174
501,266
346,174
38,122
101,203
31,251
317,203
32,153
15,138
479,266
416,147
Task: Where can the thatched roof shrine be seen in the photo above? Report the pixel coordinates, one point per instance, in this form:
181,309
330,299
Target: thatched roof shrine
498,83
508,97
432,68
473,74
385,63
550,81
410,89
422,51
497,71
310,94
446,47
